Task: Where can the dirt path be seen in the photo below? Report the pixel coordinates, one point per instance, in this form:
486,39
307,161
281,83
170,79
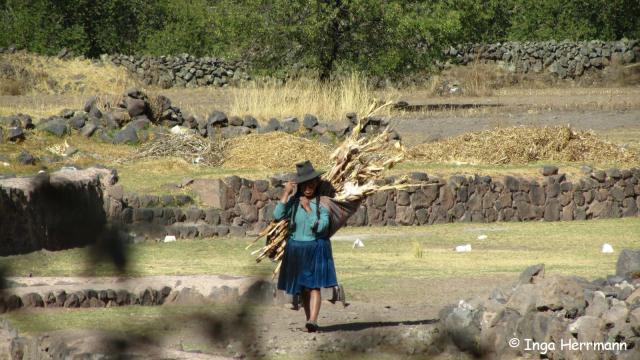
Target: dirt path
393,323
418,128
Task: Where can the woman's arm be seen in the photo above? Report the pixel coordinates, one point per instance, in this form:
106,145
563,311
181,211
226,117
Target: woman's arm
283,210
321,224
283,207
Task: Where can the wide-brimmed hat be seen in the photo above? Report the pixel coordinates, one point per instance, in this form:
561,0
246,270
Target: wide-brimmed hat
306,172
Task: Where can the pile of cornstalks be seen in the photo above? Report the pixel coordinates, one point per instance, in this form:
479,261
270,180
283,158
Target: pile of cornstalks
522,145
357,163
187,146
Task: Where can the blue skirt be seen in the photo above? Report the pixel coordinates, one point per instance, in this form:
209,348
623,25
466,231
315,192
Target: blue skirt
307,264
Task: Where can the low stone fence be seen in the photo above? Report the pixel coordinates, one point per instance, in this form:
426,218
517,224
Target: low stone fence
566,59
71,208
183,71
243,207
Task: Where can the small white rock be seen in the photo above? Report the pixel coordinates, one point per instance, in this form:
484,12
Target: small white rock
169,238
179,130
198,160
463,248
607,249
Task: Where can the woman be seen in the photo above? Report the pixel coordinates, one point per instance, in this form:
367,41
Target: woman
307,265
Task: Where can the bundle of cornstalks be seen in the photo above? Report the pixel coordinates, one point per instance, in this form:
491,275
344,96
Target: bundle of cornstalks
187,146
357,163
522,144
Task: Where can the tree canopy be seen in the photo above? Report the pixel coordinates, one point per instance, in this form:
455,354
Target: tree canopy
378,37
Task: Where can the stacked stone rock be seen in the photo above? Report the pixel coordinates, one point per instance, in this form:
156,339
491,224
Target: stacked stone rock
182,71
553,310
240,206
85,299
12,128
219,125
565,59
149,291
129,121
135,116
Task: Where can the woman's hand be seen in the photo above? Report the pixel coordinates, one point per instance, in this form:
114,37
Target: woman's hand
289,188
306,205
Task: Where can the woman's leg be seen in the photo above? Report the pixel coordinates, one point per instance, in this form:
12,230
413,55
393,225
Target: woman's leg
315,304
306,302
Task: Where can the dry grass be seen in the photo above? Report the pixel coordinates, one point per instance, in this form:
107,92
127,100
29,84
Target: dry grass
479,79
40,144
329,101
276,151
524,145
36,74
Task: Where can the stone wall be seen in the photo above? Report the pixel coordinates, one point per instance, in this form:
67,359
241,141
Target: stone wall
565,59
243,207
551,310
71,208
183,70
58,211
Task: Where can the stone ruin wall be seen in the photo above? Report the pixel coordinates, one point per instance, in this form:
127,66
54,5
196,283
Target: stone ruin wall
243,207
36,217
54,211
566,59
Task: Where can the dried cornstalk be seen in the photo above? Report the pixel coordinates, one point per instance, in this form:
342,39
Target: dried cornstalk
187,146
357,162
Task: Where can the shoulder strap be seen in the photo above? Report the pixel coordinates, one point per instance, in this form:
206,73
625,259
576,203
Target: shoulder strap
292,221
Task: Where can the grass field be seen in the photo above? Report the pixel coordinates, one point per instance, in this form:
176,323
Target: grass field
390,254
395,267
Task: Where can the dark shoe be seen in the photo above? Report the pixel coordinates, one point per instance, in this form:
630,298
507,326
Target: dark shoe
311,326
295,302
342,297
339,295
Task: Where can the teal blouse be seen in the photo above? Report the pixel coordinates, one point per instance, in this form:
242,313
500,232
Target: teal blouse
304,220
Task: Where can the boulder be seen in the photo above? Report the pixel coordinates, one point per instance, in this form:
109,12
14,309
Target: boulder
136,107
214,193
532,274
250,122
236,121
309,121
628,264
57,127
88,129
25,158
549,170
290,125
127,135
217,119
561,293
272,125
599,175
78,121
32,300
14,134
